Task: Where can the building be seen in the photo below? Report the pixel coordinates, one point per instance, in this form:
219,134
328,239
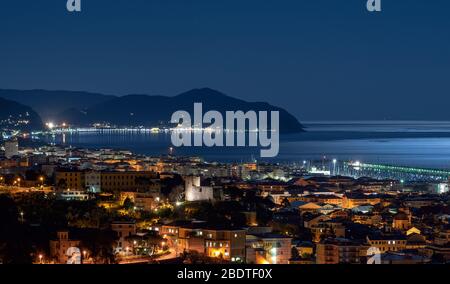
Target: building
93,181
107,181
404,257
387,243
443,237
126,181
124,229
268,248
212,240
73,195
60,248
11,148
327,228
143,201
351,200
402,221
195,192
70,179
339,251
304,249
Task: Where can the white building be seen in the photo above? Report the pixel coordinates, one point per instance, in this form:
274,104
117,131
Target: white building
11,148
93,181
195,192
73,195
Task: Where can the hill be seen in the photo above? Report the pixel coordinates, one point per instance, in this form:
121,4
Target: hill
50,103
14,115
135,110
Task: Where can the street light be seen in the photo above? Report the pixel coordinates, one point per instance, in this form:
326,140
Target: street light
50,125
40,258
21,216
84,255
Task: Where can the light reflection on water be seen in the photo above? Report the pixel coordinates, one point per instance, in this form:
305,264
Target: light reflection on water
418,144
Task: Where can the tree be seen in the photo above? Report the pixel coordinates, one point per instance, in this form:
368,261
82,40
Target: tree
285,203
294,253
99,244
15,246
128,204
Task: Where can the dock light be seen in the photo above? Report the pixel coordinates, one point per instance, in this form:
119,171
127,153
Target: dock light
50,125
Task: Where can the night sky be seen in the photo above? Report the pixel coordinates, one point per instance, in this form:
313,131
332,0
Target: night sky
319,59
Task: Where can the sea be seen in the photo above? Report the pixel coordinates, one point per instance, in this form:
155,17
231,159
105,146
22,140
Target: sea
424,144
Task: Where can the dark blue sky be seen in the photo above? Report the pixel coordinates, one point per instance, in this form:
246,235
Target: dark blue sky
319,59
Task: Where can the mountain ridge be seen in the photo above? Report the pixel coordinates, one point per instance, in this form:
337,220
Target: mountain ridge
14,115
142,109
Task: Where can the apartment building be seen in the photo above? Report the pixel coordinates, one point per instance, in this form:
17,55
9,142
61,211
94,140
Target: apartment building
339,251
124,229
351,200
59,248
268,248
387,243
107,181
212,240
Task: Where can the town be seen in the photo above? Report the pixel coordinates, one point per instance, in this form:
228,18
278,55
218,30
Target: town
60,204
